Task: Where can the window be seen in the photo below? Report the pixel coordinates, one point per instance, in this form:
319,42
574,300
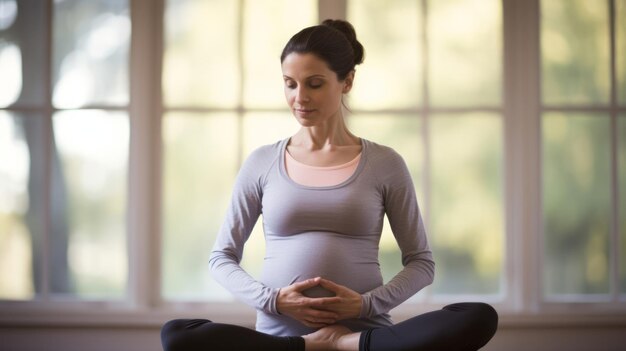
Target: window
431,90
442,135
63,179
222,87
582,138
118,156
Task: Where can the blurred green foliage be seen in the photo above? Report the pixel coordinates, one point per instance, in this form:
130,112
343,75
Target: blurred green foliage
467,212
575,52
576,203
199,168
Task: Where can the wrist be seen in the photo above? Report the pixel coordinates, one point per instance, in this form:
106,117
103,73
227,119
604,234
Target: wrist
358,306
274,303
364,310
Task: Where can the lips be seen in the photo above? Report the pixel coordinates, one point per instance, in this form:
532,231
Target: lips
303,112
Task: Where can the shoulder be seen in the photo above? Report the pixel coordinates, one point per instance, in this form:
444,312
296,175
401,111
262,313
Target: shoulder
386,164
265,152
262,158
382,155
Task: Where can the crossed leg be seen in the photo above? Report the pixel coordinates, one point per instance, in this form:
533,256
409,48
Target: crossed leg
456,327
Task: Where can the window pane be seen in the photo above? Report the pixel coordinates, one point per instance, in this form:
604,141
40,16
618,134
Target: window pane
403,134
21,204
89,203
467,227
199,167
91,42
576,203
465,52
621,157
22,30
268,26
262,128
620,40
390,76
574,52
200,62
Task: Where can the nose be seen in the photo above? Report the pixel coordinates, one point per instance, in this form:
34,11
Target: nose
302,95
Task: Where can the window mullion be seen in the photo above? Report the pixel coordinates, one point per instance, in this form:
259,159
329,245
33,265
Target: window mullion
47,124
522,136
615,225
334,9
144,229
424,115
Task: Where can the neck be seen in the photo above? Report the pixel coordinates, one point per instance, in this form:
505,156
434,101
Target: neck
329,135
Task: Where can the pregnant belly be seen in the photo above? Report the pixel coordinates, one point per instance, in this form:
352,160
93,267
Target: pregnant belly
346,260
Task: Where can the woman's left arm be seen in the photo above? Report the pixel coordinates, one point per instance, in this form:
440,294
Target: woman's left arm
407,226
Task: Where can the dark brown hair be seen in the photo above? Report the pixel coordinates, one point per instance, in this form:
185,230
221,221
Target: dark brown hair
333,41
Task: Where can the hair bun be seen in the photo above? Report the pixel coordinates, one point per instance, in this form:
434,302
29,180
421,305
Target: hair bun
348,30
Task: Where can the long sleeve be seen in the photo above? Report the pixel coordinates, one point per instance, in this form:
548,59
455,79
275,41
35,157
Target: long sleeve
407,226
243,213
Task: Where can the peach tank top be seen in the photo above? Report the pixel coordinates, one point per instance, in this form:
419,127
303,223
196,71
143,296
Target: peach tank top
319,176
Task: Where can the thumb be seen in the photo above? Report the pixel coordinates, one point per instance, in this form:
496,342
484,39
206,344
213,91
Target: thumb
330,285
306,284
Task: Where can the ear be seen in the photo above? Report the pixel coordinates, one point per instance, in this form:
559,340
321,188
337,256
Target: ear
348,82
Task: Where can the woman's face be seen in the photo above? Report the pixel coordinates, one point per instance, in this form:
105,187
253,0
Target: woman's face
312,90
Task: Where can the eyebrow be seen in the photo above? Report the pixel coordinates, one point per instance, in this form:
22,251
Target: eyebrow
309,77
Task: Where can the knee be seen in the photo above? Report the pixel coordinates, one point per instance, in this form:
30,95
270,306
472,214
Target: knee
172,326
481,314
175,333
487,314
168,333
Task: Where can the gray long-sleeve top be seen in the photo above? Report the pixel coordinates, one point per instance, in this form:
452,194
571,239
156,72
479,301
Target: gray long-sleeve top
332,232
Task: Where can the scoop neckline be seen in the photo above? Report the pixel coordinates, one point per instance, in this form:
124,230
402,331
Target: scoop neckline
283,171
324,168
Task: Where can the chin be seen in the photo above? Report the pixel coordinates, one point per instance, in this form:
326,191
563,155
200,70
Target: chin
306,122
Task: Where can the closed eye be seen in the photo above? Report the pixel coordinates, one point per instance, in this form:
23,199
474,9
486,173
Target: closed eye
315,83
290,84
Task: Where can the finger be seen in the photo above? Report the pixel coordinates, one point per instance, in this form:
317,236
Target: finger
330,285
325,321
323,301
316,322
315,325
323,315
306,284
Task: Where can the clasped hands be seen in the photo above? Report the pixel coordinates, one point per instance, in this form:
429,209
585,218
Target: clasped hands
318,312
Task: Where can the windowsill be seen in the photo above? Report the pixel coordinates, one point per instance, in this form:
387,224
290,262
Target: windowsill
117,317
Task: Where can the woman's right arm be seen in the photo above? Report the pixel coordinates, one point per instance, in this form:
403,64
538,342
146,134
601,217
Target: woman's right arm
241,216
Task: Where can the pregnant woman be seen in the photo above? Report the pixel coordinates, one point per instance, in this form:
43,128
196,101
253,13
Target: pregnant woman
323,194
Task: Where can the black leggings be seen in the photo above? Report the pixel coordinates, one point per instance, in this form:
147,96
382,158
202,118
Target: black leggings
457,327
